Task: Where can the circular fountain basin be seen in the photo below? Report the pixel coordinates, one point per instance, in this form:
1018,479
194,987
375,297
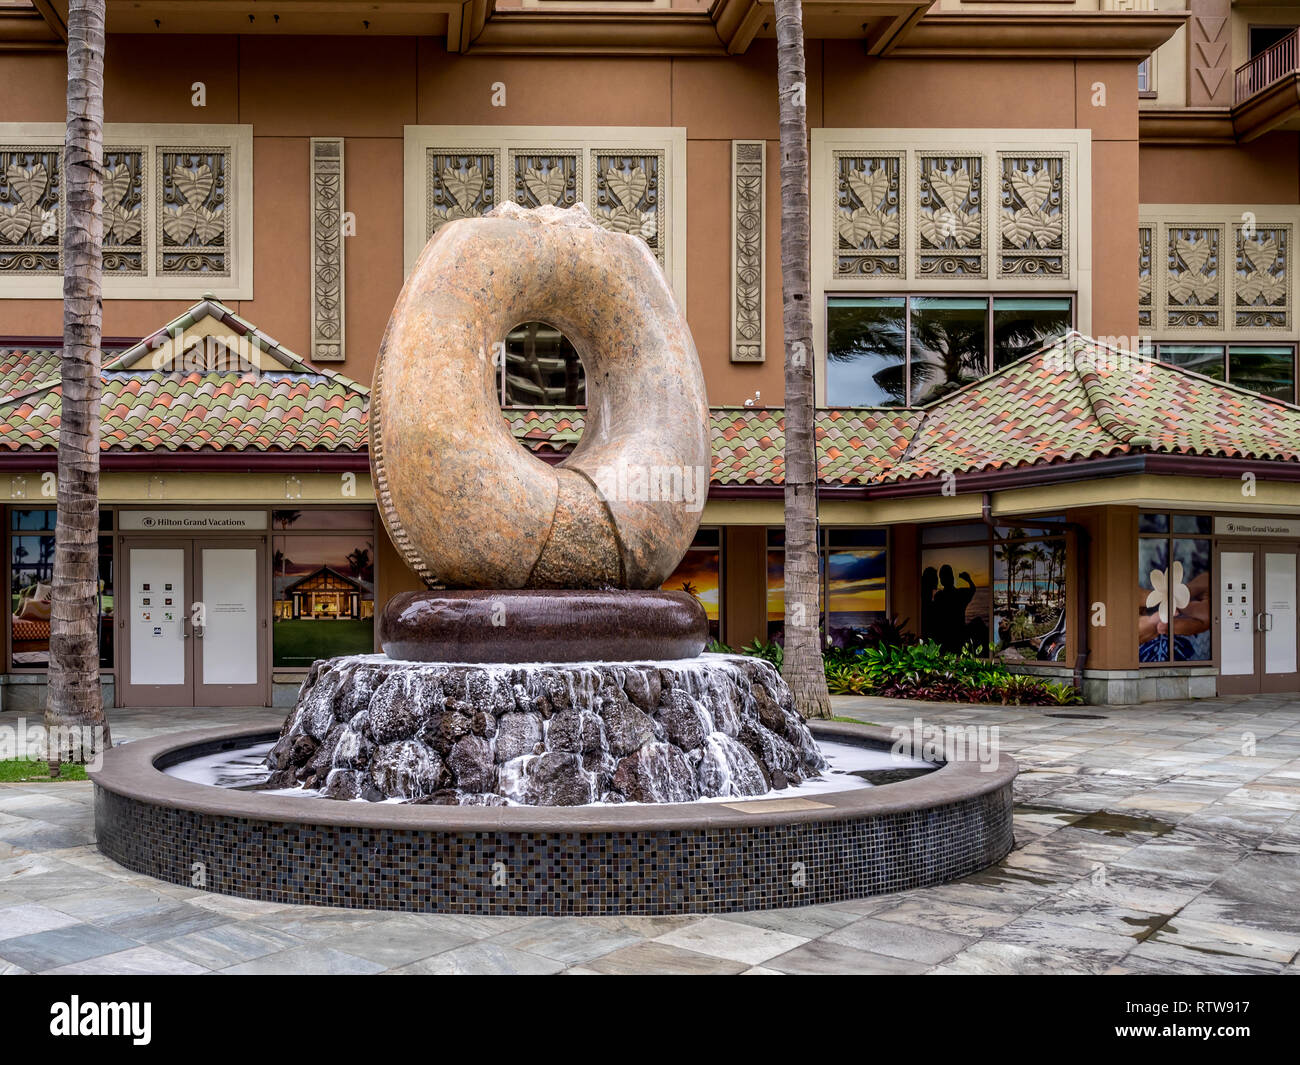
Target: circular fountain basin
597,860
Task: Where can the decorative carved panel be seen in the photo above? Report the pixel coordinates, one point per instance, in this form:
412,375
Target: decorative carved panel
193,234
626,193
1146,294
950,216
31,211
1209,53
1262,281
1193,277
1033,195
327,290
546,178
748,189
459,184
869,214
125,203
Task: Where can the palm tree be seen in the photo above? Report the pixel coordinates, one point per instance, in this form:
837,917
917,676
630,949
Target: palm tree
74,698
802,665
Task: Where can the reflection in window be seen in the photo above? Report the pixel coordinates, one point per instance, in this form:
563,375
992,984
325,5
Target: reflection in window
1174,620
1021,326
1268,369
1263,368
1029,598
852,572
324,591
955,596
949,338
699,574
541,369
866,343
31,586
891,351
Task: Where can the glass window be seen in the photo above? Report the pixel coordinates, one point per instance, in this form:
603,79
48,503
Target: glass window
855,573
324,592
1153,623
1193,523
1029,599
1153,523
1268,369
1144,75
1191,607
954,534
31,586
866,346
955,596
1205,359
1022,325
330,520
699,574
541,368
949,345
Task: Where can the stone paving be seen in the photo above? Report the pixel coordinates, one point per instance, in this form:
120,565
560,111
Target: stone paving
1156,839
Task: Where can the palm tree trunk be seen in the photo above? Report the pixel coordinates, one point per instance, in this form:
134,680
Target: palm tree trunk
802,666
74,700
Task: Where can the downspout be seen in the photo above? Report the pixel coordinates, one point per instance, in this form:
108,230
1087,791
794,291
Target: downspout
1082,543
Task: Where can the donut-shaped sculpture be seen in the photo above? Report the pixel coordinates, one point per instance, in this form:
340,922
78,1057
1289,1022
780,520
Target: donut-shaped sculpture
464,503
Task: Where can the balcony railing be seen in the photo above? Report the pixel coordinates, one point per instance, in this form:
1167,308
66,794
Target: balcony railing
1273,64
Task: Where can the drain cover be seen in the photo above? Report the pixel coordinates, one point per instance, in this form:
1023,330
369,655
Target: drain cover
1080,717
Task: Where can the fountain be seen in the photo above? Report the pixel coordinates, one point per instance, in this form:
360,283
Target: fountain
542,732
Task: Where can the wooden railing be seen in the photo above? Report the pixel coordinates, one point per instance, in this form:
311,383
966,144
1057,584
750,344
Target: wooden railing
1274,63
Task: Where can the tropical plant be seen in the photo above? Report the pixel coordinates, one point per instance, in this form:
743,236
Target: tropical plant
73,696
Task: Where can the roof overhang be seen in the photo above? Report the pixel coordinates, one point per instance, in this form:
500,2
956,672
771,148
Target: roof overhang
34,27
1274,108
1042,35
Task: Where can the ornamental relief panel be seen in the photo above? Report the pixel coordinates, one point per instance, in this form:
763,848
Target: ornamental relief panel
1221,275
193,234
328,304
546,178
748,180
1032,215
169,216
1146,295
869,215
626,192
125,200
458,184
1194,279
950,216
1262,284
964,208
31,210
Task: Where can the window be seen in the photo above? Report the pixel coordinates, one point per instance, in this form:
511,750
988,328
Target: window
891,351
1147,78
853,574
177,211
699,574
1262,38
1002,589
540,368
31,576
1269,369
323,585
1174,608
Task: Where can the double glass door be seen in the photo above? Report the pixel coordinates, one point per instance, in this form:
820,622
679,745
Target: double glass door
1257,618
194,627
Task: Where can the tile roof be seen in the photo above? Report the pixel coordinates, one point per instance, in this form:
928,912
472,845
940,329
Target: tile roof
1071,400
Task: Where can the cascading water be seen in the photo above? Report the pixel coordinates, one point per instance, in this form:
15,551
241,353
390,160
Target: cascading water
544,734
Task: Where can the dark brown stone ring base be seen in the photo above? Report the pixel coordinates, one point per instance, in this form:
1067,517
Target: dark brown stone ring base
537,625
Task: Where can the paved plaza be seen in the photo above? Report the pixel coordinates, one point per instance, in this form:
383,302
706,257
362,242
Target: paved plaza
1156,839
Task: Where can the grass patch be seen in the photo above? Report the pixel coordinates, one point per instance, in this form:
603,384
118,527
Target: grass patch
299,643
856,721
22,771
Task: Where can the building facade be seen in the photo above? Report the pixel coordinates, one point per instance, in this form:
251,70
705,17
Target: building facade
993,184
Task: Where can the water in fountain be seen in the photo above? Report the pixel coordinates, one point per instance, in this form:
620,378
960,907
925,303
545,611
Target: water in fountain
544,734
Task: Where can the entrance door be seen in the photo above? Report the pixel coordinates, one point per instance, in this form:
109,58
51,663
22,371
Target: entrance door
1257,629
194,627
